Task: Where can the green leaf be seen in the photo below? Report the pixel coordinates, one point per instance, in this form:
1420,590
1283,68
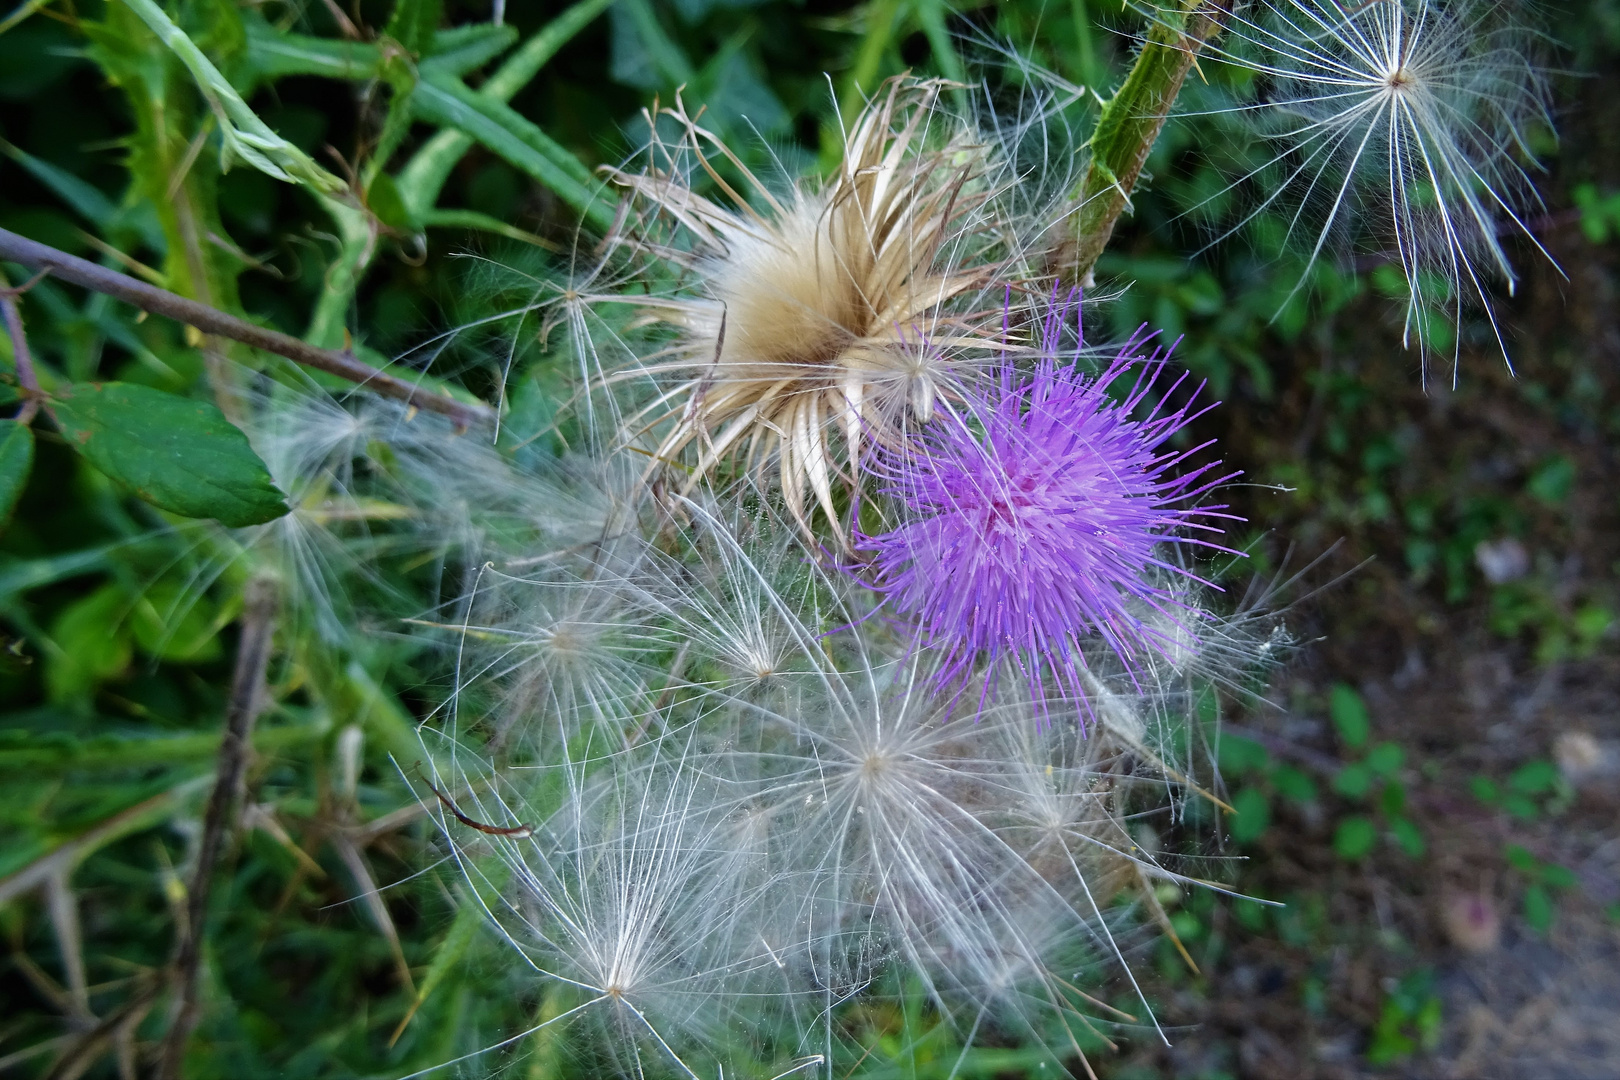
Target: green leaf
1250,915
382,199
1538,909
84,197
28,753
1293,784
1533,777
1521,807
242,134
1353,781
172,623
449,103
1239,755
92,644
1354,838
174,452
461,49
1389,1043
1485,790
422,178
1385,758
1408,837
16,460
1392,800
1188,926
1252,817
1553,481
1520,859
414,23
273,54
1349,715
1558,877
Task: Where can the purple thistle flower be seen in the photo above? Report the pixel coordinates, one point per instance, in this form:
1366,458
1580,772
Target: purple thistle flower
1033,518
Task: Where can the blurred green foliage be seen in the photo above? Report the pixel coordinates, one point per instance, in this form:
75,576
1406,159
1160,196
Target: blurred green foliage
459,135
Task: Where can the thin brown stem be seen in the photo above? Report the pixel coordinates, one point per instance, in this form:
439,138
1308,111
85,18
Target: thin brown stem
242,708
37,256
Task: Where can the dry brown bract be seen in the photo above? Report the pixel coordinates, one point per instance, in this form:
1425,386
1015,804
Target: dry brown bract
824,320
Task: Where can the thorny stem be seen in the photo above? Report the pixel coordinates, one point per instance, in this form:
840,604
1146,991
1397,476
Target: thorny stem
1129,126
19,348
69,268
242,708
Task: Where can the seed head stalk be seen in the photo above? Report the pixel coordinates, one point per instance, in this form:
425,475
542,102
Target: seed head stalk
1129,126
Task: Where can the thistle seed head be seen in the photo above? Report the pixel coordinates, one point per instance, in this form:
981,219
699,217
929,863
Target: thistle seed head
804,337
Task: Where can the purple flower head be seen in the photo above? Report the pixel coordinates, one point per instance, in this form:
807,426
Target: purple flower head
1031,519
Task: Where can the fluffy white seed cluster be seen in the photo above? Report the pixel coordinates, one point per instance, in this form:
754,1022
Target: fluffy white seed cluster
708,787
730,799
1403,128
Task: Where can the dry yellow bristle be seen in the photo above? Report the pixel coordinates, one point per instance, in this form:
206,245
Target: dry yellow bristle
824,320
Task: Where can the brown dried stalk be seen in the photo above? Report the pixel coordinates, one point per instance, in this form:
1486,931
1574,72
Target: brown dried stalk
242,708
46,259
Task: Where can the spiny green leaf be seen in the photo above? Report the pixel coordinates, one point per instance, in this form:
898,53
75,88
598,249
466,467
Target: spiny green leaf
461,49
413,24
16,459
422,178
174,452
272,54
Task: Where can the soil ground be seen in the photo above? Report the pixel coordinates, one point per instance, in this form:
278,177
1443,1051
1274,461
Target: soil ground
1462,699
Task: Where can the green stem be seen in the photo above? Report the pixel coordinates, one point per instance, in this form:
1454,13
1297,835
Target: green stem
331,315
1129,126
1085,45
881,17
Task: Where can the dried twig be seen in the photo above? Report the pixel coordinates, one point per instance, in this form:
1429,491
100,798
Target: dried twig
40,257
64,911
89,1047
140,816
346,850
247,685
